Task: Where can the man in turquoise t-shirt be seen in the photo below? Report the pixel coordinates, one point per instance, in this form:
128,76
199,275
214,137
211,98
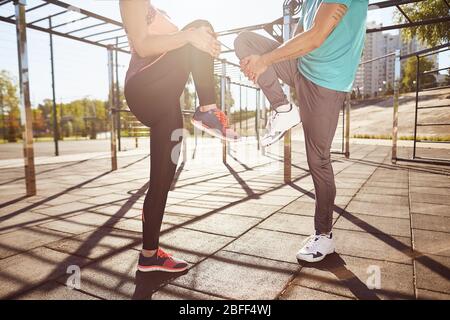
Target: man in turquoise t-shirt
320,62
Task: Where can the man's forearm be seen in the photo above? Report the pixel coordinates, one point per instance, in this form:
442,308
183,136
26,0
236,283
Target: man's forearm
296,47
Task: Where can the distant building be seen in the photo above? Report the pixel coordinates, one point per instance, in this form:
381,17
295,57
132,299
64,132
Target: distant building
377,77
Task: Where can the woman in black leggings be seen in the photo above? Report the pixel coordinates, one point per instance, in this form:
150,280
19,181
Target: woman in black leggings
162,60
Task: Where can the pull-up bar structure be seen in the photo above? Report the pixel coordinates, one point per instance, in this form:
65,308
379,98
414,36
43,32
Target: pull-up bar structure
100,31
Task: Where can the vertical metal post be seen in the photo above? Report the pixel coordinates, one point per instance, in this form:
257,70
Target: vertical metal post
417,105
347,125
257,115
55,111
240,108
26,114
118,104
2,111
222,105
287,20
112,112
395,105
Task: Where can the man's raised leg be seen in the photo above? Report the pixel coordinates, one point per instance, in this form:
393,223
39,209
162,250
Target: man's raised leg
284,116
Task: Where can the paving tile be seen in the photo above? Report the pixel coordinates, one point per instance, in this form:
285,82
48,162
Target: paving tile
367,189
66,209
374,224
382,199
430,222
350,276
97,243
21,220
55,291
379,209
191,245
432,242
431,198
303,225
17,276
115,210
378,246
268,244
432,295
250,208
300,207
264,279
25,239
171,292
106,199
294,292
112,278
223,224
432,273
430,208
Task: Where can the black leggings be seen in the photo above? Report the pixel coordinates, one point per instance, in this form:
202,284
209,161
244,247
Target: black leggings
153,96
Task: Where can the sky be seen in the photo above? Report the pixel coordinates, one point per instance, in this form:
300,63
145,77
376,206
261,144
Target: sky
81,69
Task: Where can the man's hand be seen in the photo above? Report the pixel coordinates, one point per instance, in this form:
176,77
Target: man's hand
253,67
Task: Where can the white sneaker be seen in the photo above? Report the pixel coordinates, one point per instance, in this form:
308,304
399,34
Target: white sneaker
279,122
316,247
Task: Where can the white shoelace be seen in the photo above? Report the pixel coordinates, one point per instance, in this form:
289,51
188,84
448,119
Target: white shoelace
311,242
273,116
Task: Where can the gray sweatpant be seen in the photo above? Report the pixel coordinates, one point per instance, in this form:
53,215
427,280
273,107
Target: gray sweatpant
319,110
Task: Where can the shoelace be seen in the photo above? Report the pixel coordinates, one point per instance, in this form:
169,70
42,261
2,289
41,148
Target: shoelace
162,254
311,241
273,116
222,118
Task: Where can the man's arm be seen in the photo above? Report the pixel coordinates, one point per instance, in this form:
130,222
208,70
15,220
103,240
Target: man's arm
327,18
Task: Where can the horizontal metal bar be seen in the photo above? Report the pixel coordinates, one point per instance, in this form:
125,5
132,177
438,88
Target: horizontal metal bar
103,32
84,12
432,124
390,3
435,70
60,34
112,38
70,22
435,88
436,161
422,53
87,27
431,141
409,25
378,58
47,17
434,107
4,2
31,9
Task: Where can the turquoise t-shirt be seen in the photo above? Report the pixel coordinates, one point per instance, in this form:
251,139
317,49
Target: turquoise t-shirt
334,64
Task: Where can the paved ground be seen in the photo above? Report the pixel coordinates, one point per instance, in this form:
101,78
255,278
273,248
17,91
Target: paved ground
238,225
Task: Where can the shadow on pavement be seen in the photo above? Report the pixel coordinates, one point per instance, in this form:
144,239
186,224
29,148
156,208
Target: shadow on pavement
147,283
336,265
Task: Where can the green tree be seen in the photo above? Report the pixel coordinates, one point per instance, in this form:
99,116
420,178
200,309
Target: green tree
9,108
409,72
433,34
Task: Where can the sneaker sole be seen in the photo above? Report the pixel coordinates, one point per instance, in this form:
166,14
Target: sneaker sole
311,259
281,136
199,125
274,140
161,268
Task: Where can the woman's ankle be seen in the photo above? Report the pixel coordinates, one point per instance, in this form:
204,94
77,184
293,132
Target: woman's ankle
148,253
208,107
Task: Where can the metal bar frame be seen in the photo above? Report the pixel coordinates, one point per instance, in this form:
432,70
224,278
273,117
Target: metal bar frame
26,114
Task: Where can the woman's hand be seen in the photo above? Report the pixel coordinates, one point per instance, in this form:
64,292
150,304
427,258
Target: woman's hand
204,39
